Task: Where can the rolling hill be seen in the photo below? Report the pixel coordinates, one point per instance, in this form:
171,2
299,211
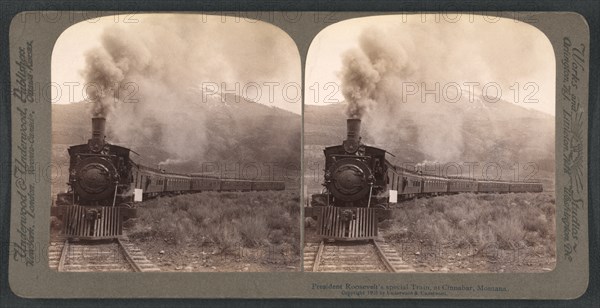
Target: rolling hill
481,132
238,133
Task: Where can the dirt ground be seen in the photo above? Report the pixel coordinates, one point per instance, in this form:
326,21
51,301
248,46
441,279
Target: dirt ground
489,259
193,258
448,259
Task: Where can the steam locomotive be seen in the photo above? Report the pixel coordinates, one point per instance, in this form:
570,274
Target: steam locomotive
104,182
360,183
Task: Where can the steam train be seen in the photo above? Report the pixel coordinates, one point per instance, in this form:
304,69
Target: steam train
360,183
104,182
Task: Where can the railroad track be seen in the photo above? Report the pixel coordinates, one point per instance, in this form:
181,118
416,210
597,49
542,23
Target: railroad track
117,255
364,256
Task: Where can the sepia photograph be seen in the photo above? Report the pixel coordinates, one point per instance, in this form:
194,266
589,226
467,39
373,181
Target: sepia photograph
268,154
429,146
176,146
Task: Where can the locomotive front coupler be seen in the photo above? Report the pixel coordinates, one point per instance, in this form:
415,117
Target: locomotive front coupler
347,215
93,214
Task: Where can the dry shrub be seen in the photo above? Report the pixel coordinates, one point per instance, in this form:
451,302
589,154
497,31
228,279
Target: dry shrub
484,235
437,205
226,236
457,214
509,232
227,220
309,223
276,236
253,230
56,224
505,220
277,218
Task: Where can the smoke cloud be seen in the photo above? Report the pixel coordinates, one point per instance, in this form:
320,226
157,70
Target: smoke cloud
368,71
147,77
375,75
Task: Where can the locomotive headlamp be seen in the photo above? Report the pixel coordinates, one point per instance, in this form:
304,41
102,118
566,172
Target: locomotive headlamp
350,146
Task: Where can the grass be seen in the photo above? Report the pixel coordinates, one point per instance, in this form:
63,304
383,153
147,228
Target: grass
225,220
509,221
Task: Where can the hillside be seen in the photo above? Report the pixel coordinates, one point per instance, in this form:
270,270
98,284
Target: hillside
481,132
237,134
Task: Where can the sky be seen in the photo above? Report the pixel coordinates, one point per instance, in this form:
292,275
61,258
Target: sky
253,59
474,51
512,54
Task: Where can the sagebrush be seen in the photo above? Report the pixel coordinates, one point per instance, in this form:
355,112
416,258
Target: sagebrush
226,220
509,221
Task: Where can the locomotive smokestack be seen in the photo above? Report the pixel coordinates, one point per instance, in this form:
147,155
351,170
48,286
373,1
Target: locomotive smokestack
98,128
353,130
96,143
352,143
